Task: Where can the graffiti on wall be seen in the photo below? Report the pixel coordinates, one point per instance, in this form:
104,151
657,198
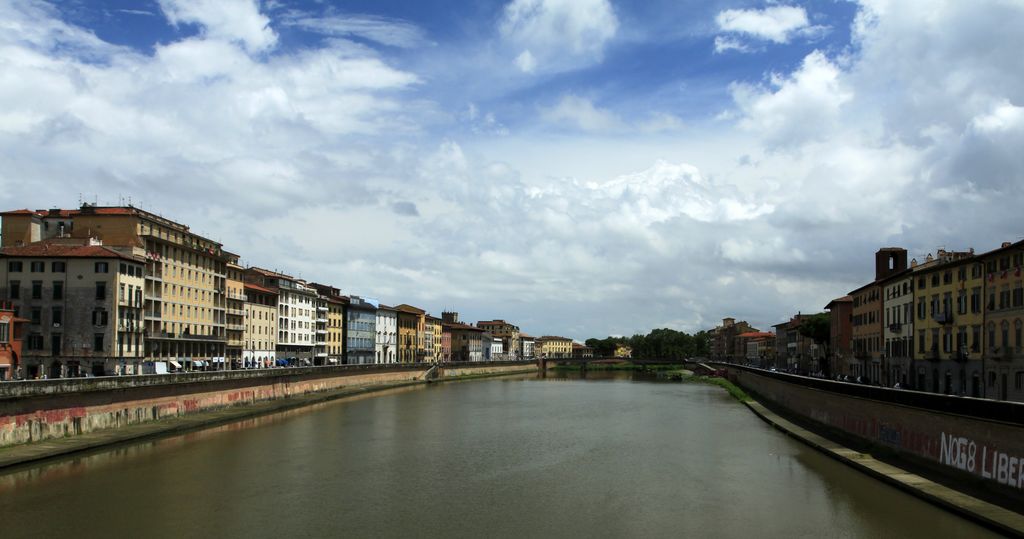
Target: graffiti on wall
967,455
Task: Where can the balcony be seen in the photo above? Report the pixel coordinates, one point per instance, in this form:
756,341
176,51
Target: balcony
239,297
321,321
234,342
321,308
130,327
234,327
236,312
896,327
944,318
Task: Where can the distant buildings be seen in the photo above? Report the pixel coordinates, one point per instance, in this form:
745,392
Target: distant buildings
150,296
723,339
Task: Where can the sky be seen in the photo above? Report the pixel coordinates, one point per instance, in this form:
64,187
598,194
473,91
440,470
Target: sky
577,167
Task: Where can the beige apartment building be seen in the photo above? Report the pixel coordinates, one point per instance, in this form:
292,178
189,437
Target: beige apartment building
260,335
83,303
234,313
185,278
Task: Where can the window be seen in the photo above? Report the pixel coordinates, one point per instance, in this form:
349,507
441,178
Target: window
58,290
101,290
38,266
97,342
14,266
1018,380
37,290
5,332
35,342
102,267
99,317
57,267
15,289
57,316
37,316
124,268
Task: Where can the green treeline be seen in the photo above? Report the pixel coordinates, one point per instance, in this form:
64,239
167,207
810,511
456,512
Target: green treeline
661,344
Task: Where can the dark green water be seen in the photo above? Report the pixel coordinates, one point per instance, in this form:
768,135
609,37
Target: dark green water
493,458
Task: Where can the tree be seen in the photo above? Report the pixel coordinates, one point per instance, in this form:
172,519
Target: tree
818,328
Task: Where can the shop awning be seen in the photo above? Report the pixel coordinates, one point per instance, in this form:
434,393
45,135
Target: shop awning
175,364
305,361
198,363
332,359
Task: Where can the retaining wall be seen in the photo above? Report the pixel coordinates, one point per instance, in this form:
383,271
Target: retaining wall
33,411
953,435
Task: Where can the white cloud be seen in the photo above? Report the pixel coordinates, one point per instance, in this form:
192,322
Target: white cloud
383,30
555,35
797,108
725,44
232,20
526,62
775,23
581,112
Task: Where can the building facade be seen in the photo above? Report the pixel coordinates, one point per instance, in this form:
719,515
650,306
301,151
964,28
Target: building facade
509,335
467,341
948,323
840,353
411,326
84,305
554,347
898,328
12,333
331,306
527,346
260,335
723,339
1004,315
361,331
387,335
185,275
234,313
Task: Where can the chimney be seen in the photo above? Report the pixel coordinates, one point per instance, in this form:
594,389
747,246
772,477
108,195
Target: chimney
1005,245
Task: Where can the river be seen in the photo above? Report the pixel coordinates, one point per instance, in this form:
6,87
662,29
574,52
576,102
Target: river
612,455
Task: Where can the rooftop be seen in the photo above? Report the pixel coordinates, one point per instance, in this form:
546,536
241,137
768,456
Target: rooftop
63,249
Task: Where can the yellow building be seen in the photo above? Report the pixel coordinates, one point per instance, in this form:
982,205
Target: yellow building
1004,315
411,327
554,347
234,313
948,320
185,290
260,335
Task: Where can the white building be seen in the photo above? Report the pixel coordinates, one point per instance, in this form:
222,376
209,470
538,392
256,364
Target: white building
497,349
527,344
296,315
387,335
898,327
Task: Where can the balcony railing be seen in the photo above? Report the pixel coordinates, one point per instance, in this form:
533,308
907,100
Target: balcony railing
896,327
944,317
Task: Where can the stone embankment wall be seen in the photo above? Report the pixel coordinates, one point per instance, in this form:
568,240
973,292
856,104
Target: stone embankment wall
494,368
46,409
953,435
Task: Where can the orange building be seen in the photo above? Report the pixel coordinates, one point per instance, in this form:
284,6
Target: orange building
12,333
